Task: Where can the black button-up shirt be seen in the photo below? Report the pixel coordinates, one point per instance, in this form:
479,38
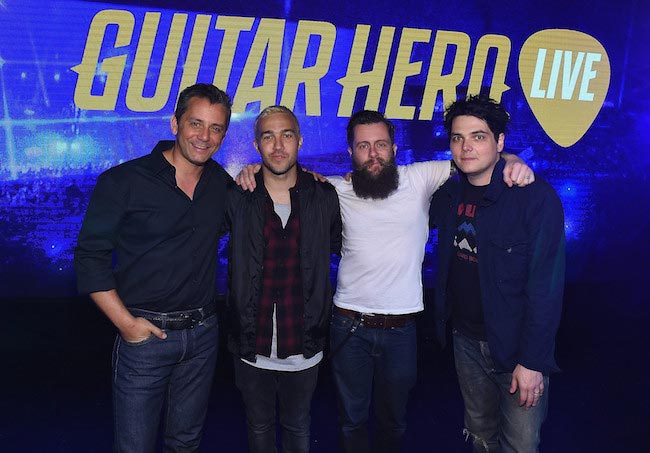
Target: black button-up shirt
165,244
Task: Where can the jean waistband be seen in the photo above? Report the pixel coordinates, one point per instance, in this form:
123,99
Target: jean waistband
376,320
176,320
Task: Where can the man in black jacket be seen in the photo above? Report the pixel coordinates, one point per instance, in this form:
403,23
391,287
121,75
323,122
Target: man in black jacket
279,301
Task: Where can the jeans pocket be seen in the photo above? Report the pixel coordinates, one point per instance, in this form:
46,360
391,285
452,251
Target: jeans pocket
149,339
341,322
208,322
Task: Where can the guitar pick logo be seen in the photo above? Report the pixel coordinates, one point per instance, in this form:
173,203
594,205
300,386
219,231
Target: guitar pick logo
565,77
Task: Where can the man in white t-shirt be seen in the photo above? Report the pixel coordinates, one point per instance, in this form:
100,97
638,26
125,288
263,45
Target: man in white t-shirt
384,209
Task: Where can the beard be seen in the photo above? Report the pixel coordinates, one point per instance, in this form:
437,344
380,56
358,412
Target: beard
375,186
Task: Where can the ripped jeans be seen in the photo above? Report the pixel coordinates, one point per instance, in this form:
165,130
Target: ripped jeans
494,420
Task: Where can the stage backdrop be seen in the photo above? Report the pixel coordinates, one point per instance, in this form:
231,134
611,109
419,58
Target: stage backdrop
86,85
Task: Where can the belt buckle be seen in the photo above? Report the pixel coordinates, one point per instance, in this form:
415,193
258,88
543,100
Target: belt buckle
372,320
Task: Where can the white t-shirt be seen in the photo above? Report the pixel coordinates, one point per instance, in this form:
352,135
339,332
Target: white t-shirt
383,242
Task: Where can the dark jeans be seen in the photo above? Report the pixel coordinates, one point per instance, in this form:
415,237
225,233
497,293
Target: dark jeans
389,358
493,417
293,390
178,369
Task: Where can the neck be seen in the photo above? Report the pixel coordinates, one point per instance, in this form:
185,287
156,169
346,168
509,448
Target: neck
478,181
183,168
187,175
278,185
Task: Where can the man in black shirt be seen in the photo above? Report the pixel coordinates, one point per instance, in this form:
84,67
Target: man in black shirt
160,215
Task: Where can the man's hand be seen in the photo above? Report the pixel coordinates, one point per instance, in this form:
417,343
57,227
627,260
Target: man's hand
139,330
530,384
516,172
317,176
246,177
132,329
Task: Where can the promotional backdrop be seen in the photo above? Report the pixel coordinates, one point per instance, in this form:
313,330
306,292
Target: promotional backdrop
86,85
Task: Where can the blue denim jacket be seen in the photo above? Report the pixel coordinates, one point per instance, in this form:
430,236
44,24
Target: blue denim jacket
520,238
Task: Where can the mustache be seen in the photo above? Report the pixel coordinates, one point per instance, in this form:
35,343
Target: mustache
370,162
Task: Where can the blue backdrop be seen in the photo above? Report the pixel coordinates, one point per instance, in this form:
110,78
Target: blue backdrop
86,85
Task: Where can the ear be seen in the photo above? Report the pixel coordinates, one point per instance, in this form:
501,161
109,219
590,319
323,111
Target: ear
256,147
500,142
350,151
173,124
394,149
300,143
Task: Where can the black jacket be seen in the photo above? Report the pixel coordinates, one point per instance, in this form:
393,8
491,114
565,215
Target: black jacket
320,236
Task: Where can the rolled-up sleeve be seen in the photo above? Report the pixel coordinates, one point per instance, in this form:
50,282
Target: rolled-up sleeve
93,255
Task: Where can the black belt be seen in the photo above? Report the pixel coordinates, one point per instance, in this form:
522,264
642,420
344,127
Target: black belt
176,320
376,321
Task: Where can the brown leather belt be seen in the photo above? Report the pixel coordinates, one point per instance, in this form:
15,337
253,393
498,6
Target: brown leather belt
376,321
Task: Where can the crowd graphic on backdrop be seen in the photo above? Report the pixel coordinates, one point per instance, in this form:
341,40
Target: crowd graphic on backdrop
41,209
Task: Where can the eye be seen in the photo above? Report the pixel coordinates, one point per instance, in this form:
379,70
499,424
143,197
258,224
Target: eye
288,135
455,138
382,145
362,146
479,137
195,124
267,137
217,130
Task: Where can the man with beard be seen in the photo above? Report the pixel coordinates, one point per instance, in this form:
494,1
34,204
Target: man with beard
384,209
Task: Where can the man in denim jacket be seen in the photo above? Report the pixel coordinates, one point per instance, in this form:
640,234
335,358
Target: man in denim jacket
500,281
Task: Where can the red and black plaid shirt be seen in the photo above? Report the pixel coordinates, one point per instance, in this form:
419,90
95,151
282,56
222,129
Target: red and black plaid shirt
281,284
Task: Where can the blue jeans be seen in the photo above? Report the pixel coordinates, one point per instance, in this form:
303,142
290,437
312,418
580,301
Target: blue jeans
177,370
389,358
293,390
493,417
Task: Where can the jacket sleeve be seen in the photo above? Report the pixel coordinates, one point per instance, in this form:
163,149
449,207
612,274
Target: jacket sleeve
93,254
545,286
336,226
233,197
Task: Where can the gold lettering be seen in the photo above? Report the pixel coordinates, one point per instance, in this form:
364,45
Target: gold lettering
497,86
111,69
374,79
309,76
195,51
403,69
445,83
232,27
268,40
134,94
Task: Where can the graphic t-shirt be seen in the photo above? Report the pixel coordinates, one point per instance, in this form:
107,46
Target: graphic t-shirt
464,287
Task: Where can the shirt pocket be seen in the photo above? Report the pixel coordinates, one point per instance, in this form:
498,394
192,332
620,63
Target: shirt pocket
509,261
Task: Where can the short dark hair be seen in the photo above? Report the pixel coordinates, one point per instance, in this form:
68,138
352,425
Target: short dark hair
270,110
480,107
204,91
369,117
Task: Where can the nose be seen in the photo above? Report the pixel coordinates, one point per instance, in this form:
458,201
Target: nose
373,151
466,145
204,134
